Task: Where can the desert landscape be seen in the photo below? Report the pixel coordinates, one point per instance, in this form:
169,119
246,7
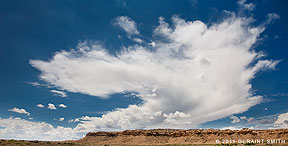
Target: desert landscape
143,73
172,137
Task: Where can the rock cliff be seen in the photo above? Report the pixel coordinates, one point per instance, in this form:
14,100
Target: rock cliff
191,136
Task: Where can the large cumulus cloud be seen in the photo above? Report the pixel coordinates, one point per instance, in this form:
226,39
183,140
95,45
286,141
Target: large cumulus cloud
193,74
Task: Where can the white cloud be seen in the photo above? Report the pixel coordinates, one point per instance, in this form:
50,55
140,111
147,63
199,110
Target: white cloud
127,24
40,105
74,120
59,93
174,118
61,119
153,44
262,120
231,128
249,120
62,105
235,119
198,73
138,40
12,128
266,122
246,6
20,111
282,121
36,84
271,17
51,106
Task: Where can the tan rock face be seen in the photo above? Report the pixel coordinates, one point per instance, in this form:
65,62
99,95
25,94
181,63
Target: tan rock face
191,136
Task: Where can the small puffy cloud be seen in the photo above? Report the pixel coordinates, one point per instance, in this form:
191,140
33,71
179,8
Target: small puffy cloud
62,105
59,93
85,118
51,106
282,121
153,44
264,64
163,28
174,118
271,17
20,111
40,105
231,128
74,120
235,119
81,119
138,40
61,119
127,24
246,6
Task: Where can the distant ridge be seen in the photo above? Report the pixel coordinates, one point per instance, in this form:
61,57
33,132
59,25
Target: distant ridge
191,136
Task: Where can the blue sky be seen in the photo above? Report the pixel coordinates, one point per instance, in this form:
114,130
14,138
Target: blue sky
137,59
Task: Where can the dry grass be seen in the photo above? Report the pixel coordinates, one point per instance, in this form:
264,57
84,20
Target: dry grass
36,143
71,143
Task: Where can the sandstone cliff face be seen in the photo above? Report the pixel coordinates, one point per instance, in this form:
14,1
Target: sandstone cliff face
192,136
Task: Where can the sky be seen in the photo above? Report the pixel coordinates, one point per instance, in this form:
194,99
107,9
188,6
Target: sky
71,67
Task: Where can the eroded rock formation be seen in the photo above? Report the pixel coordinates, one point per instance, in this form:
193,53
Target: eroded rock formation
191,136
